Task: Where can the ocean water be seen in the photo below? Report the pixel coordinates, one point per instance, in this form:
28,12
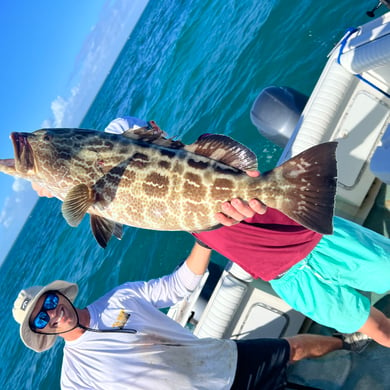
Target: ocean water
193,67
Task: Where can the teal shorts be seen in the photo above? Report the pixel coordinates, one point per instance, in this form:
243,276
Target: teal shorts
325,285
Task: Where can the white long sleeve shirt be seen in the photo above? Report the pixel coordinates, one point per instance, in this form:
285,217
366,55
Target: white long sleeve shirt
160,355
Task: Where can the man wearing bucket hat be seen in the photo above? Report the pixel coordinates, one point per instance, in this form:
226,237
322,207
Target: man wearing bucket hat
124,341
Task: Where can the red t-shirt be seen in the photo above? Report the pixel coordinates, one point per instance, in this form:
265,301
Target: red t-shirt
265,246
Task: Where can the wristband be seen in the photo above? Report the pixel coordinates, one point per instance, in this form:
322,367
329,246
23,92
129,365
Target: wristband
201,243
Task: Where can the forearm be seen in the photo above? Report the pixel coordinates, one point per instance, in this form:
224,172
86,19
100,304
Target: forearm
169,289
198,260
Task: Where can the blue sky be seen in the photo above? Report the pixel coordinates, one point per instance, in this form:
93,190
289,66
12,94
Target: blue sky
54,57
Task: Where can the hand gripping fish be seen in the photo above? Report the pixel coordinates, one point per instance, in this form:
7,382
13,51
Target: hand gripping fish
142,179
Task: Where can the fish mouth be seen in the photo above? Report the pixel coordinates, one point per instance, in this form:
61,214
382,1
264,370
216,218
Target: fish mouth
24,158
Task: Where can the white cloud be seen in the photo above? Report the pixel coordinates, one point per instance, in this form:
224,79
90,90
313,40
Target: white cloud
20,185
58,107
47,123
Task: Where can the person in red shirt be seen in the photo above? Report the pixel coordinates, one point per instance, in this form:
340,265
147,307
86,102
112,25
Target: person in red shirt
282,243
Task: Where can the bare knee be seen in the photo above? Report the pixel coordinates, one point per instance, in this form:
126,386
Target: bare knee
297,348
304,346
377,327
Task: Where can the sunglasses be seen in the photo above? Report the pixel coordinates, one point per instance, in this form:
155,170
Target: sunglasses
42,318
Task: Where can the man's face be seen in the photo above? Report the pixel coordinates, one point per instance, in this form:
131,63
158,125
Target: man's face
59,314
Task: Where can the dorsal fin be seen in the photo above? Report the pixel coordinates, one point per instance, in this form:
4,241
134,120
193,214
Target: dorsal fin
224,149
76,203
144,133
154,136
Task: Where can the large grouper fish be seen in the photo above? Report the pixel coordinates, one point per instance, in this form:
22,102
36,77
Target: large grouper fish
140,178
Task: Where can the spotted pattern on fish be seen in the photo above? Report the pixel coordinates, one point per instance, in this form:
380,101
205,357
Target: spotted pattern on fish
193,187
164,164
168,153
223,189
197,164
156,185
178,168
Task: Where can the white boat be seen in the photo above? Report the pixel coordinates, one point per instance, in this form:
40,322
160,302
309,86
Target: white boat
351,104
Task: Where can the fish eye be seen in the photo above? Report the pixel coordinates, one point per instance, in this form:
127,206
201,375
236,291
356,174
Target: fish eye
47,137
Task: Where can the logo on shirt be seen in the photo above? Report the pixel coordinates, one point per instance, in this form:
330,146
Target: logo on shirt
121,319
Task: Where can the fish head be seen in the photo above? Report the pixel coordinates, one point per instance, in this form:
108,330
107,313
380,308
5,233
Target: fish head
29,150
34,152
49,150
22,165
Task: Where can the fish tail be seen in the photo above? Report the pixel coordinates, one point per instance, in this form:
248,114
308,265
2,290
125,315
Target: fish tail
304,187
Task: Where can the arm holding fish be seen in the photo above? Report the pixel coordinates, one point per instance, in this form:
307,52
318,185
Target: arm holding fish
199,258
167,290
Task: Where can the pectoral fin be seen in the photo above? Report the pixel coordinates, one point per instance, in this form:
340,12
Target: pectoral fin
103,229
77,202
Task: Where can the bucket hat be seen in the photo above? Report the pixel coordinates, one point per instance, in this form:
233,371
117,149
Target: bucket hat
24,306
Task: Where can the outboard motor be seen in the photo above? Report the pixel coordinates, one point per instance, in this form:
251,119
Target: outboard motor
276,112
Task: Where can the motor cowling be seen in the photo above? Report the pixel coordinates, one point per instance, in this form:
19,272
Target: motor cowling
276,112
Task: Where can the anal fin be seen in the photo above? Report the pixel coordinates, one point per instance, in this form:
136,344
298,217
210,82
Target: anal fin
103,229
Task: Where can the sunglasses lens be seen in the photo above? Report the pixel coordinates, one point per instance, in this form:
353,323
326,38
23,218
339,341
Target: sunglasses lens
51,302
41,320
